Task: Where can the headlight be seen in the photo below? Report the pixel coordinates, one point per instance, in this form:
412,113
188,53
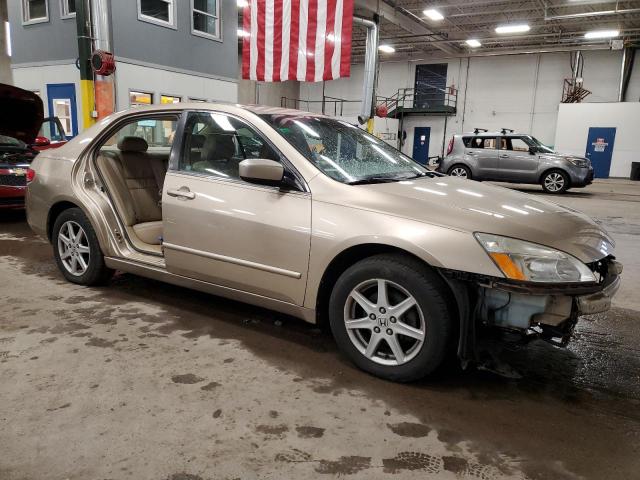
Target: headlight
520,260
579,162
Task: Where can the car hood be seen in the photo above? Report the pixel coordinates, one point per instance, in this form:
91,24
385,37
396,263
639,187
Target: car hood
561,156
479,207
26,115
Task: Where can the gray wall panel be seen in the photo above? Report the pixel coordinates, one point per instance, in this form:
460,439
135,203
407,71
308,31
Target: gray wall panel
54,40
154,44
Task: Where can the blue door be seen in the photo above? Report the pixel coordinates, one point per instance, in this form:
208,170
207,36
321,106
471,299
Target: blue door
62,104
599,150
421,144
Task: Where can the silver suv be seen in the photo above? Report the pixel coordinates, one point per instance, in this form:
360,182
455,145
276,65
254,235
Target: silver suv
506,156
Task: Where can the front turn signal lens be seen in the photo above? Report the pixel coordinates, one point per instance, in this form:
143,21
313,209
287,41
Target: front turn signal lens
508,266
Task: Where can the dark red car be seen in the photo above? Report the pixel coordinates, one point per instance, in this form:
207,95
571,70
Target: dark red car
20,141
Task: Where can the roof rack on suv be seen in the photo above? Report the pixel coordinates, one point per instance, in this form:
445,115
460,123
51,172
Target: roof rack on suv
505,130
478,130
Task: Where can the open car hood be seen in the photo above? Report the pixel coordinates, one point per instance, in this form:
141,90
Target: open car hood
22,113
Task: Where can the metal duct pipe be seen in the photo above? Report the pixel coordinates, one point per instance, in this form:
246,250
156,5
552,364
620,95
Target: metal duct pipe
623,71
100,22
600,13
370,66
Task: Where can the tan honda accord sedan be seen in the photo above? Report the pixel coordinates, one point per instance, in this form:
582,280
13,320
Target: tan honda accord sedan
313,217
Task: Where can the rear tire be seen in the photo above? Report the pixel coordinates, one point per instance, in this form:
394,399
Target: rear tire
401,335
461,171
77,251
555,181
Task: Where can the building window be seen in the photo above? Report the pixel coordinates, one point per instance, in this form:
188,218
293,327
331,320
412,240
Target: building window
34,11
62,110
160,12
430,86
168,99
140,98
205,18
67,8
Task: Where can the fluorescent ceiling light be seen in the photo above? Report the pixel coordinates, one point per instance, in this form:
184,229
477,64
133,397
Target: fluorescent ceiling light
602,34
7,30
473,43
242,3
242,33
433,14
515,28
386,48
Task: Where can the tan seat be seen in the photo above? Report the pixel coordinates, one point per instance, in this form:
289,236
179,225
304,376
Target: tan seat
217,156
134,187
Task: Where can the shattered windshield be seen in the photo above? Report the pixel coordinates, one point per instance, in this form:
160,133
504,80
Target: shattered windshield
343,151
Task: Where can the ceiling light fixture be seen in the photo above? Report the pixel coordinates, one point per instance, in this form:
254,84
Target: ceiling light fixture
386,48
473,43
433,14
515,28
242,3
602,34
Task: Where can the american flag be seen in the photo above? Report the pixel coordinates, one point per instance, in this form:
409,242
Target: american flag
305,40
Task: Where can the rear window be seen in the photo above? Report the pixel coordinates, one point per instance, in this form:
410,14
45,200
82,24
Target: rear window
480,142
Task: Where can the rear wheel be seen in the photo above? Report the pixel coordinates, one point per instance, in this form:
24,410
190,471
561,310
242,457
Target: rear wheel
76,249
460,171
555,181
389,315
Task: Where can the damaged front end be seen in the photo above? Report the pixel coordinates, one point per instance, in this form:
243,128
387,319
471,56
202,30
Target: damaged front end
523,311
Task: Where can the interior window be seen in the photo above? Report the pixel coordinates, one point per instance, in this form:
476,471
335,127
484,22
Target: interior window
216,143
517,144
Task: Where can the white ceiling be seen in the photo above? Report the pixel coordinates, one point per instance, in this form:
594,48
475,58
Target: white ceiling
555,25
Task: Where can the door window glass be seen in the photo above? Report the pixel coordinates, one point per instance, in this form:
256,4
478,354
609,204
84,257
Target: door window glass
481,142
216,143
62,110
158,132
51,130
517,145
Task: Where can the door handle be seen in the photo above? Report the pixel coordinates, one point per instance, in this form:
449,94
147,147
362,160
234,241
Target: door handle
182,192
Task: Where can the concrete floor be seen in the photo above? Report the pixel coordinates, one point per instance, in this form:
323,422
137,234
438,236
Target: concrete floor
147,381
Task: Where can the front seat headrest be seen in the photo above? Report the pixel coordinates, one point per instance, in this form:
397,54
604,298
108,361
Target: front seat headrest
133,144
218,147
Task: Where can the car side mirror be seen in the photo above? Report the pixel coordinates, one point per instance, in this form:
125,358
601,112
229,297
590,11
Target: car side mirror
262,171
41,142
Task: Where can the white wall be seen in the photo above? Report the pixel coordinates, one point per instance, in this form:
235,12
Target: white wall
128,77
37,78
152,80
575,119
516,91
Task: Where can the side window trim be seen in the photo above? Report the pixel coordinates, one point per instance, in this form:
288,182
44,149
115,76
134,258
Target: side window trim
179,143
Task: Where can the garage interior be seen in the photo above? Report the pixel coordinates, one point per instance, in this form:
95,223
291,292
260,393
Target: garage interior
142,379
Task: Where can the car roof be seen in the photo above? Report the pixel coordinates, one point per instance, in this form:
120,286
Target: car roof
498,133
257,109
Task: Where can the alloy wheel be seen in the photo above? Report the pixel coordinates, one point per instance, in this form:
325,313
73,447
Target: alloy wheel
73,248
554,182
384,322
458,172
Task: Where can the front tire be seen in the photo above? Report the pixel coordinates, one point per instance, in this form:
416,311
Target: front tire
555,181
77,251
461,171
389,315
